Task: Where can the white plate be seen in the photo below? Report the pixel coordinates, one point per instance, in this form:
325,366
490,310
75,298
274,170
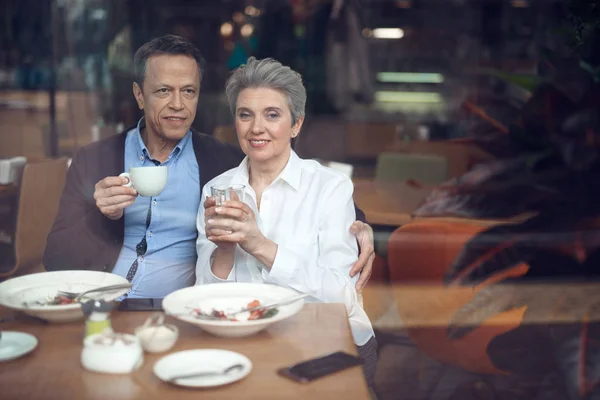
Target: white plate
37,287
223,296
189,361
16,344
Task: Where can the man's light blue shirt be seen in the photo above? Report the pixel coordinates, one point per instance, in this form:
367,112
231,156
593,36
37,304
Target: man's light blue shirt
170,261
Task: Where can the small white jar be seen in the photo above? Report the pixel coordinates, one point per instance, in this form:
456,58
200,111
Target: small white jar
112,353
156,336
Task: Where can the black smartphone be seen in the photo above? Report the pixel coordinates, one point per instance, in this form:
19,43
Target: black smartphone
316,368
141,305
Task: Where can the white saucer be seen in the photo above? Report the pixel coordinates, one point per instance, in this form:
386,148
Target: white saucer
189,361
16,344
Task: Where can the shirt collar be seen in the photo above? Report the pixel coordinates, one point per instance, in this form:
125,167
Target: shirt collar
143,151
290,174
292,171
241,177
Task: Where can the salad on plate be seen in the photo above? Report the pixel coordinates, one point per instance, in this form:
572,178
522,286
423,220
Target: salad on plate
236,315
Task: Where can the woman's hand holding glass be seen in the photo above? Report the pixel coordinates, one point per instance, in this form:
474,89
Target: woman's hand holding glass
234,222
219,195
210,205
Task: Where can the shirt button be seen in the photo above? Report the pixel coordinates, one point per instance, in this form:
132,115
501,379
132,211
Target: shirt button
153,202
149,233
141,158
140,258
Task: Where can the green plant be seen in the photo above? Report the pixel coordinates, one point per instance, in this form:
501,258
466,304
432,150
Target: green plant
552,180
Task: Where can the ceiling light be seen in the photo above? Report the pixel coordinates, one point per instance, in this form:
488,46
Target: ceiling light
252,11
247,30
388,33
410,97
409,77
226,29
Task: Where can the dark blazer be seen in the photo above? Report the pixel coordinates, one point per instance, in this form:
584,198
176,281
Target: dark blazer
82,237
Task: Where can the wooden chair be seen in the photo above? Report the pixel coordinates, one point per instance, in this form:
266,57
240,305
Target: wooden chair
460,156
367,140
41,187
428,169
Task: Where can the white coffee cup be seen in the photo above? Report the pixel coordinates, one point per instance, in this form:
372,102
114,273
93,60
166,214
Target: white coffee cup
148,181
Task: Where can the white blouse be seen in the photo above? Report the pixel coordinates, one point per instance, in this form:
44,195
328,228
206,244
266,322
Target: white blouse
307,211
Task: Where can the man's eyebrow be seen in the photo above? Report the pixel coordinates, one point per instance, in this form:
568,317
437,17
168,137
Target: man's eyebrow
160,85
165,85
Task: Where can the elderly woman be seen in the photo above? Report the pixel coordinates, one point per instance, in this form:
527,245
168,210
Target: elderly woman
292,227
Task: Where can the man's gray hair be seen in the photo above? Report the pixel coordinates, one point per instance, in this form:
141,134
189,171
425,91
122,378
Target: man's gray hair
268,73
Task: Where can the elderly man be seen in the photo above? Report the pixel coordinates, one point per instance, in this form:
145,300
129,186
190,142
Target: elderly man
105,226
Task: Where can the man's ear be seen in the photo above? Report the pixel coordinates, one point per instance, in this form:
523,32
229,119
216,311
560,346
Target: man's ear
297,126
139,95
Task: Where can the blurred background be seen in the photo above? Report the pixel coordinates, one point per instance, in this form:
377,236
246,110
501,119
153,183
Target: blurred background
401,70
468,145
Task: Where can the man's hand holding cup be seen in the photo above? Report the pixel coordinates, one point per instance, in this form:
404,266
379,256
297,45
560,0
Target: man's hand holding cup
112,197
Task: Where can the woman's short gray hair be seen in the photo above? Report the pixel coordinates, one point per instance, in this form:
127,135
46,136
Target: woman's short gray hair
268,73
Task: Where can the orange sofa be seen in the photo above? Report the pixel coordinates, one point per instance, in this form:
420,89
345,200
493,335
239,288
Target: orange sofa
419,254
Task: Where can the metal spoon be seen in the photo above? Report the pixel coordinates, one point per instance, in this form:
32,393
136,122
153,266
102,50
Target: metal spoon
233,368
33,303
78,296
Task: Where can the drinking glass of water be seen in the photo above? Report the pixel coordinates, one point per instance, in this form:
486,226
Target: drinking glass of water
223,193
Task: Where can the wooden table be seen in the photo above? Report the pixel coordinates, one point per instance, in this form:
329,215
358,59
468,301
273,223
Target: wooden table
54,371
387,203
392,204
